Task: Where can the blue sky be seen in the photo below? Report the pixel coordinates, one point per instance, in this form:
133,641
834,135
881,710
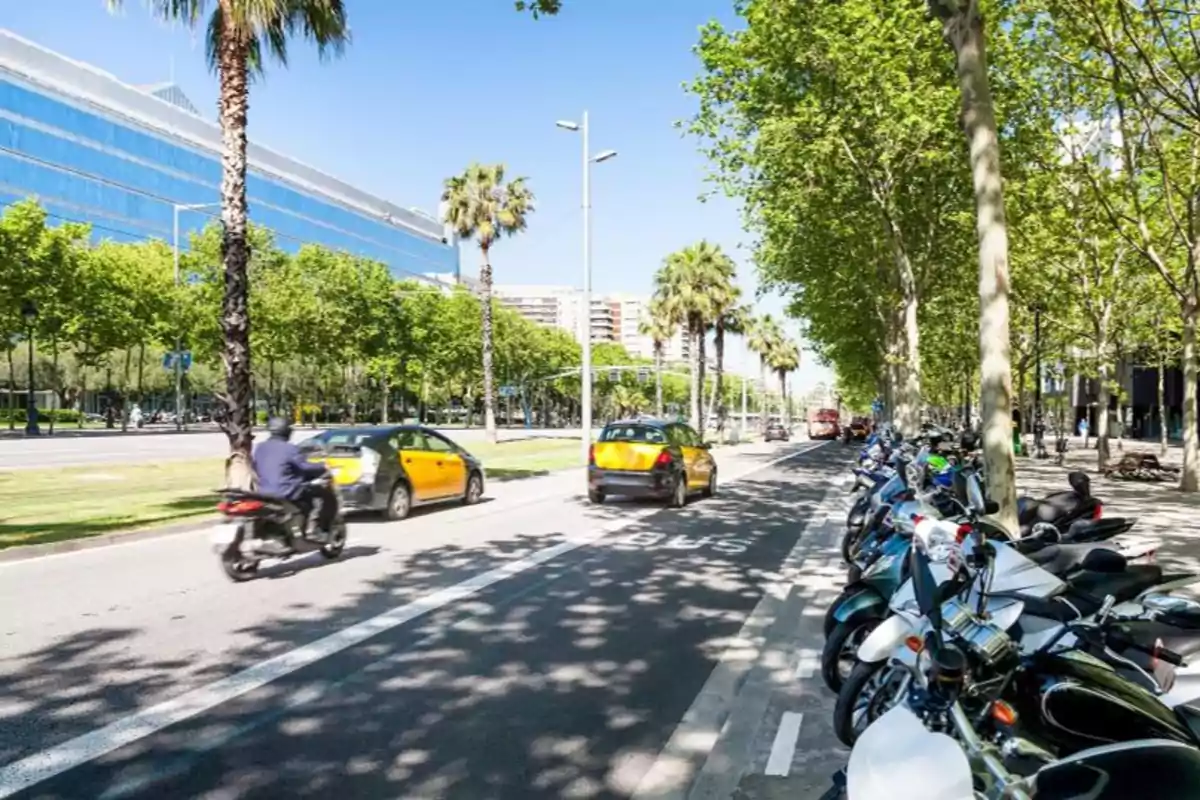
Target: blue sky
427,87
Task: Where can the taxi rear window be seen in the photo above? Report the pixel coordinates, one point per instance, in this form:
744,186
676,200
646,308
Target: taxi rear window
633,433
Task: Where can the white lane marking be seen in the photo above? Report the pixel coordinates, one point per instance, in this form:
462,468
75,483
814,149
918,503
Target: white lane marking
32,770
807,665
783,749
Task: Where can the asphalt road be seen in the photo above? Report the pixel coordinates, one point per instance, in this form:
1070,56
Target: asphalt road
102,447
531,646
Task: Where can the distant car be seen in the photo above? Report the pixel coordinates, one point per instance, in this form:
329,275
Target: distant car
392,469
823,424
776,433
860,428
650,458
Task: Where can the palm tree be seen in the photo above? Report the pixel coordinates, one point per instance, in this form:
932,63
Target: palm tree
730,318
481,206
689,285
660,327
785,359
627,402
763,339
240,34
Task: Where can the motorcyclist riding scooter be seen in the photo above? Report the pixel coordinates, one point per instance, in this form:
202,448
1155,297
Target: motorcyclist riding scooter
284,472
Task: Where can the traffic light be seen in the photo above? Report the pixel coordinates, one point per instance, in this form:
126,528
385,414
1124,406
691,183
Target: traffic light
614,375
643,374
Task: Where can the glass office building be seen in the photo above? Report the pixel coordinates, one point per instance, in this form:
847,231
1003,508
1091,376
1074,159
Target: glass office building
92,149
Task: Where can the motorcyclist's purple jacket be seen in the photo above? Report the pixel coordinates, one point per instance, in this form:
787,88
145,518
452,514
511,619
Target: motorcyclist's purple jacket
282,469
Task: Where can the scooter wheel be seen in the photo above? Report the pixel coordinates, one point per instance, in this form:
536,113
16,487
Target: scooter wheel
337,542
236,568
842,645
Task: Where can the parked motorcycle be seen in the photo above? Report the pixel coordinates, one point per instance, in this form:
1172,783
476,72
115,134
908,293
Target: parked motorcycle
258,527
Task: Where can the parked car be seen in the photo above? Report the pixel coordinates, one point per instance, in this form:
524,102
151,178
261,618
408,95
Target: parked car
777,433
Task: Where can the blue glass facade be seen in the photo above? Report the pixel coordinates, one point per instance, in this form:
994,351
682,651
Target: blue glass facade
124,178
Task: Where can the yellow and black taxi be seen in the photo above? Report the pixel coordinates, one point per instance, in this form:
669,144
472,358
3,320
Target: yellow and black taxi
393,469
650,458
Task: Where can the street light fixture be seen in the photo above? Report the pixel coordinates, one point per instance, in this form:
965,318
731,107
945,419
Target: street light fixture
175,209
585,339
29,313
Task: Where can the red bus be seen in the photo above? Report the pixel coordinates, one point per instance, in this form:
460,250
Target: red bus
823,423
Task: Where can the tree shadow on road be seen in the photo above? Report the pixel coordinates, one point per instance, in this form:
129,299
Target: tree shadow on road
565,679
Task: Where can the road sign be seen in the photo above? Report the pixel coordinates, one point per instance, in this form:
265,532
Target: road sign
877,406
508,391
185,362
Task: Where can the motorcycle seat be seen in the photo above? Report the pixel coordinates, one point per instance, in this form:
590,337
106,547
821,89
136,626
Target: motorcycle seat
280,502
1091,530
1059,559
1121,585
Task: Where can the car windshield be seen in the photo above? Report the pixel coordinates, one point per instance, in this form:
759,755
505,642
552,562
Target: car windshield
633,433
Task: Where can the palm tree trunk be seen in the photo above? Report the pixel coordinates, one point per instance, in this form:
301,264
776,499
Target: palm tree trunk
763,410
233,69
696,357
485,302
718,379
784,417
963,29
701,346
658,389
55,384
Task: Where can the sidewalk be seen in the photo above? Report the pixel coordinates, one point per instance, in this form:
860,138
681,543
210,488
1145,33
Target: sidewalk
1161,511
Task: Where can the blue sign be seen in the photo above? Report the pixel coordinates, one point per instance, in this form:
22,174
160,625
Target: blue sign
185,362
877,406
508,391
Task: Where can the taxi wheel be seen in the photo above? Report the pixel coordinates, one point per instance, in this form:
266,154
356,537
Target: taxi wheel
711,489
595,496
679,491
399,503
474,489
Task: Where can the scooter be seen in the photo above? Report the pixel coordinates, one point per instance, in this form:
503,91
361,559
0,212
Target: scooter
258,527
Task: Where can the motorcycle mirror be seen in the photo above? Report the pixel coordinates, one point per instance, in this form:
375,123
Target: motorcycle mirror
1081,483
1104,560
991,507
975,500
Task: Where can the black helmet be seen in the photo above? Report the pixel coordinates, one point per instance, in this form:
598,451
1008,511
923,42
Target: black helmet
279,427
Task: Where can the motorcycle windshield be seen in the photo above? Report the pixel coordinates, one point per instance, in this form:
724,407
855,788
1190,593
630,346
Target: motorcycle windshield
1120,771
897,758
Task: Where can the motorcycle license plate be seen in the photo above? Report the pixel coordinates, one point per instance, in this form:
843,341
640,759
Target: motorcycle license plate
223,535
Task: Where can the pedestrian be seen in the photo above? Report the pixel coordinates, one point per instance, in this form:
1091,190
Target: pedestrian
1083,431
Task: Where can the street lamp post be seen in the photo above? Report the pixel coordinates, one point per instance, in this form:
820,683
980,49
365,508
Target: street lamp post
29,313
585,338
175,209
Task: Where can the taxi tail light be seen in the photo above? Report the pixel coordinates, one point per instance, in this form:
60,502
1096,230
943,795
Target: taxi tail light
664,459
237,508
592,454
962,533
1099,512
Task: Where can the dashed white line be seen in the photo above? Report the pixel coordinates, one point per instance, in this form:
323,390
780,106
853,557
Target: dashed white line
807,665
783,749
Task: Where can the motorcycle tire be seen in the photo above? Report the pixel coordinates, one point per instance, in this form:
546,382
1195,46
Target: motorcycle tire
237,569
843,635
853,687
337,542
830,622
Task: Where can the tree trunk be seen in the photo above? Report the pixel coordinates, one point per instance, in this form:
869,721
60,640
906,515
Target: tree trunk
383,384
963,28
54,382
125,390
1162,404
12,379
1021,396
1103,399
784,417
82,396
658,386
1188,480
141,373
233,69
485,302
910,391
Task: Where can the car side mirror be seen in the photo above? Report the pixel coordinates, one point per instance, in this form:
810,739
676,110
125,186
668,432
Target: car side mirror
706,445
